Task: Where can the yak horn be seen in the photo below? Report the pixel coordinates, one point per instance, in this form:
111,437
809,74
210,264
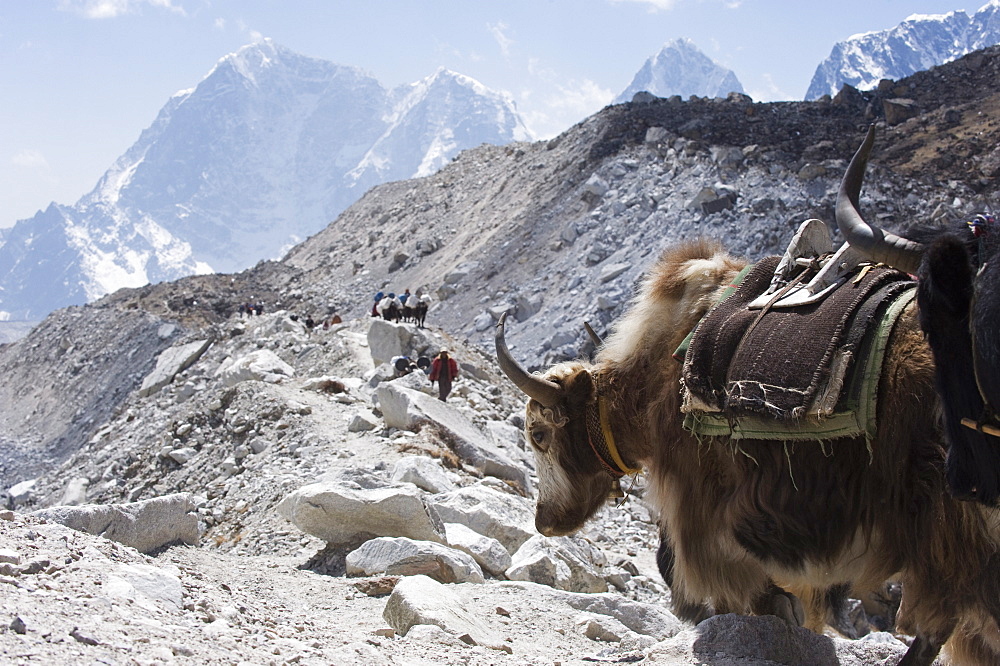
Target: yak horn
594,337
542,390
869,240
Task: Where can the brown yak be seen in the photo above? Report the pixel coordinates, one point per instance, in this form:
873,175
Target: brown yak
756,525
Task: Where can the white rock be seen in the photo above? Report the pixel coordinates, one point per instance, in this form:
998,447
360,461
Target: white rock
399,556
407,409
488,553
420,600
601,628
170,362
75,491
260,365
556,562
183,454
146,526
611,271
363,421
21,493
423,472
429,633
146,585
340,514
506,517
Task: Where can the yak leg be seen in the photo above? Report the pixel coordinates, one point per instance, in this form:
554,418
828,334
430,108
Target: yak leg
776,601
685,609
923,651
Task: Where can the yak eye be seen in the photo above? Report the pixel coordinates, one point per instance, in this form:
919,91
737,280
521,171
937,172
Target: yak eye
538,436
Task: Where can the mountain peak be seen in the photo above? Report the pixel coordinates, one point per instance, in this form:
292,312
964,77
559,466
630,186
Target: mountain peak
263,152
918,43
681,68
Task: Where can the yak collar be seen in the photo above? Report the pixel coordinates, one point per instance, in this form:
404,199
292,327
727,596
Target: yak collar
602,441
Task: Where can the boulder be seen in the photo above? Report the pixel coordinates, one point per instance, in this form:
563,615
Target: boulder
423,472
611,271
387,340
503,516
21,493
146,526
487,552
75,491
399,556
418,600
596,186
642,618
261,365
363,421
169,363
557,562
899,109
145,586
407,409
343,514
601,628
767,639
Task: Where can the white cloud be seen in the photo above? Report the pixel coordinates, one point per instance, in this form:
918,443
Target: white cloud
219,24
29,159
667,5
102,9
502,40
770,91
569,104
654,5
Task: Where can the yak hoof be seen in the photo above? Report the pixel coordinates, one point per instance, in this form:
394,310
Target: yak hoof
922,652
781,604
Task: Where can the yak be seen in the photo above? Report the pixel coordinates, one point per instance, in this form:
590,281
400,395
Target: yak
763,527
958,299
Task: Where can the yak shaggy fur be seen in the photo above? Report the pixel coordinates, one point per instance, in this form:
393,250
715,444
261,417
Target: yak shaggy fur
751,521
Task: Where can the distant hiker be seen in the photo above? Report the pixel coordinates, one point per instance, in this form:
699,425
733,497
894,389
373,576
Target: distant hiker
443,371
310,324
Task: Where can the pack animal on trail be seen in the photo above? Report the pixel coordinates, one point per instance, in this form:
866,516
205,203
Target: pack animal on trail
756,526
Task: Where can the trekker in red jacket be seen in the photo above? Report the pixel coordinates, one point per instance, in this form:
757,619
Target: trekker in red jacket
443,371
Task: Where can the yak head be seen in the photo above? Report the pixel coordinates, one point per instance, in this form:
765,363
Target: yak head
958,297
572,483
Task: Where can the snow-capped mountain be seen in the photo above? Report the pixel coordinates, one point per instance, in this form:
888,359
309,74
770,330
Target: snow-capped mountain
918,43
679,68
265,151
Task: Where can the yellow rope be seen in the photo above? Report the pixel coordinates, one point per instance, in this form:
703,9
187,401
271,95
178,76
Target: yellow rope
609,439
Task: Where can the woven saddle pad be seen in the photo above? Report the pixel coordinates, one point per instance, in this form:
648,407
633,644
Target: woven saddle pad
785,363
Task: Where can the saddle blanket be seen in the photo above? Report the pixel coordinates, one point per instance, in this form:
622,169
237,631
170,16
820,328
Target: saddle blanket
805,372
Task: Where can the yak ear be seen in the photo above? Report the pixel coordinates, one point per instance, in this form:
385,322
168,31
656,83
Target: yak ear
580,389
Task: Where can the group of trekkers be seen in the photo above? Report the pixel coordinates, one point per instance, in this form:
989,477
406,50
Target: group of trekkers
405,307
250,309
311,323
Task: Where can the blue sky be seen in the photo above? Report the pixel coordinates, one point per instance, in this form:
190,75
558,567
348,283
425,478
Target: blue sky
80,79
